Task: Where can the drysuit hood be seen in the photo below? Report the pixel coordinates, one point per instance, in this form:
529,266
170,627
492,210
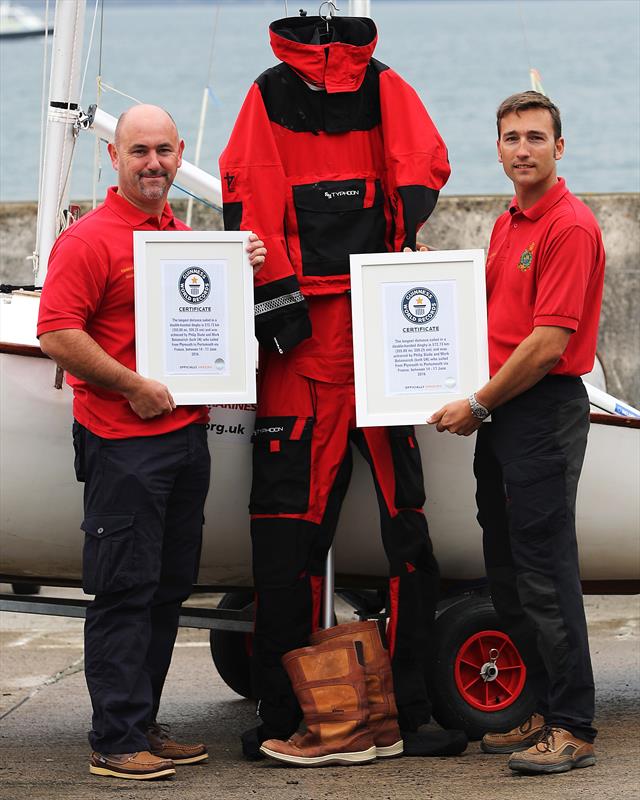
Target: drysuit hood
337,65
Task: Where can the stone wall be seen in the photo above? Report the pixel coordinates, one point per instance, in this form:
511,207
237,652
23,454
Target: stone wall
457,223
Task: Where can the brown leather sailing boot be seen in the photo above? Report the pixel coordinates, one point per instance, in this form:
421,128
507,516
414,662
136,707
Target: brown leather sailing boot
383,714
329,682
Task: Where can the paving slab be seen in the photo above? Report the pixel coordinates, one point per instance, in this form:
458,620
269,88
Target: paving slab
44,751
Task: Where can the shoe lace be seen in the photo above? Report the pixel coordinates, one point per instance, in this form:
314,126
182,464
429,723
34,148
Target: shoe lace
546,742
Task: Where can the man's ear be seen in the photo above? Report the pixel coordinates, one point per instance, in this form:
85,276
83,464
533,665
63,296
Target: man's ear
558,148
113,154
499,153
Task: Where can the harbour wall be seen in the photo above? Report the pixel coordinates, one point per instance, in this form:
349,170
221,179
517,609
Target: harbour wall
459,222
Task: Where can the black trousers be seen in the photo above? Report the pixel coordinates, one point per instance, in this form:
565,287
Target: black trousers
143,505
527,465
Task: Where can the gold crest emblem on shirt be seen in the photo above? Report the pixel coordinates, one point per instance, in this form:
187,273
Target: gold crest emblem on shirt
526,259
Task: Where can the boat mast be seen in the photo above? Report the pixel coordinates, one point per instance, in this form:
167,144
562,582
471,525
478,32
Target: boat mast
359,8
63,113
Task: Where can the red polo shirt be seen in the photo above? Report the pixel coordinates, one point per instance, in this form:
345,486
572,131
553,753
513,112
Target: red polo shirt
89,287
546,267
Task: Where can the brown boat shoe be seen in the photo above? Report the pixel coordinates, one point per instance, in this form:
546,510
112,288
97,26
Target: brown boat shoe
161,744
520,738
556,751
142,766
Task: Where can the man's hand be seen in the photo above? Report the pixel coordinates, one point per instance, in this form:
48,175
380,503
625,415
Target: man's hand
257,252
422,248
149,398
455,417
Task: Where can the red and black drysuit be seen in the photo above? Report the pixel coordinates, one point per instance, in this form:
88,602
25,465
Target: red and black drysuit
332,153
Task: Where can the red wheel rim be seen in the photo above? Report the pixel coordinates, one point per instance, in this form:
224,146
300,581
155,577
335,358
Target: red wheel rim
496,694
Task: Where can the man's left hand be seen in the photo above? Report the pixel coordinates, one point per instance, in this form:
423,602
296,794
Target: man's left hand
456,418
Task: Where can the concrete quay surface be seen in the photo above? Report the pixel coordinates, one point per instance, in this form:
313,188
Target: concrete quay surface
45,713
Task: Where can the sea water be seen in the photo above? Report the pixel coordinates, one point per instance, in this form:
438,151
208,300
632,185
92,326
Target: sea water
462,56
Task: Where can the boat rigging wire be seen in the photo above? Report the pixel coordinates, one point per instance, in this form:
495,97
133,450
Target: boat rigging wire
89,48
43,121
534,76
97,150
203,108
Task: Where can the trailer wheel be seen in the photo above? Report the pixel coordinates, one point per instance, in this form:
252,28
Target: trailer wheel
477,679
25,588
231,651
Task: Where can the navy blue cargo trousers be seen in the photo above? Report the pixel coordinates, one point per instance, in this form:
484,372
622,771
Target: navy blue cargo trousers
527,465
143,513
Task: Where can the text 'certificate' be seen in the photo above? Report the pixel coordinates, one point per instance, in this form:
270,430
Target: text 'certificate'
195,317
421,337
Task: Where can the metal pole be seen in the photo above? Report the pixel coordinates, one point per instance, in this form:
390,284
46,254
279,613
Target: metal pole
64,101
329,585
359,8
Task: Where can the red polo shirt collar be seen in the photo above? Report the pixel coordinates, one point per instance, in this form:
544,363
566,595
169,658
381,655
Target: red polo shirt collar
135,216
549,199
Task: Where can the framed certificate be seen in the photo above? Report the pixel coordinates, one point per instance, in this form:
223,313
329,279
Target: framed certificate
419,332
194,314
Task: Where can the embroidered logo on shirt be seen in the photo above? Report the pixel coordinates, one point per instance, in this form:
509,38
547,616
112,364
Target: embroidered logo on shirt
229,178
526,259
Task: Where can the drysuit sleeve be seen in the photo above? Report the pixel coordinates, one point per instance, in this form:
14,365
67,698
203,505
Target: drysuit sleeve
254,193
416,159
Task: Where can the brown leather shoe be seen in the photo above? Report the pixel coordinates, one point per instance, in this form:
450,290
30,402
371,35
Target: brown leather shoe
520,738
143,766
556,751
162,745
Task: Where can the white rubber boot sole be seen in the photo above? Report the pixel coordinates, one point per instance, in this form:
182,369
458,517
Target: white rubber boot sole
344,759
391,750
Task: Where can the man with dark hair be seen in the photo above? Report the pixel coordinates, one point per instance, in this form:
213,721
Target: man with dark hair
144,461
545,273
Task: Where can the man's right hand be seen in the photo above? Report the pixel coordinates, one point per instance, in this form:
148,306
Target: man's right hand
149,398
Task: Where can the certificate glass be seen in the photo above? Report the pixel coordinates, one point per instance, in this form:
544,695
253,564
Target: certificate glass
194,314
419,332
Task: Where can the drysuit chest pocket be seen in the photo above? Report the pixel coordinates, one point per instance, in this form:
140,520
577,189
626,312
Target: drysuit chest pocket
336,218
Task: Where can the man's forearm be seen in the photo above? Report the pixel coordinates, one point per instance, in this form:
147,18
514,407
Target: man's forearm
534,357
77,353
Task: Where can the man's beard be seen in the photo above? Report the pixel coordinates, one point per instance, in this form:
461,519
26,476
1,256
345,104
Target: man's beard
153,191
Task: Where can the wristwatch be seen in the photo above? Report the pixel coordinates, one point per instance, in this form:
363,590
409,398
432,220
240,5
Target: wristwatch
477,409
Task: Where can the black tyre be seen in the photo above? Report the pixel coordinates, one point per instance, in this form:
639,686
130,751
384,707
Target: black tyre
465,691
231,651
26,588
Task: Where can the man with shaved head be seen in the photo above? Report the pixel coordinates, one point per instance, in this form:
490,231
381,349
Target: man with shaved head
144,461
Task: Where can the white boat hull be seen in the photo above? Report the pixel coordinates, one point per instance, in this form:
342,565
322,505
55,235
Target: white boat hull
41,501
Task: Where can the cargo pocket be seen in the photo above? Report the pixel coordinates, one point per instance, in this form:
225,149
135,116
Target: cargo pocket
407,466
536,496
108,558
281,465
336,218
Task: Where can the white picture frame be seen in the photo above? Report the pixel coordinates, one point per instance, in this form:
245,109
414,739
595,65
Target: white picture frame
419,333
194,314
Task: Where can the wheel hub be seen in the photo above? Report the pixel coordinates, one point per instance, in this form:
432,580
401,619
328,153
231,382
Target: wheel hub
489,672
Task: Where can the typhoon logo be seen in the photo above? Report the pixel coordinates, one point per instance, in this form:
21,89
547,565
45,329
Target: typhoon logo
419,305
194,285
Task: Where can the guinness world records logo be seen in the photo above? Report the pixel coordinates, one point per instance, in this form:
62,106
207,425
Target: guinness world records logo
419,305
194,285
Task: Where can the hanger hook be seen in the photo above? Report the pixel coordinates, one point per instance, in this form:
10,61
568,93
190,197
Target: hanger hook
331,11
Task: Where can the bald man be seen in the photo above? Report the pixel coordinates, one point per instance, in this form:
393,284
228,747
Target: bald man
144,462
